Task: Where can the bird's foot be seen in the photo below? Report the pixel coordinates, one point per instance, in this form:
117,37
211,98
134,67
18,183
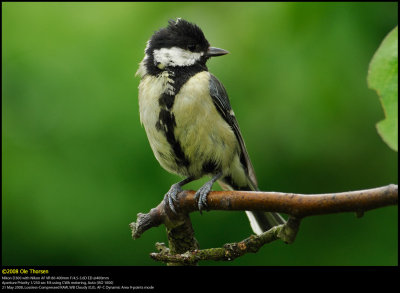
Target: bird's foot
201,195
171,197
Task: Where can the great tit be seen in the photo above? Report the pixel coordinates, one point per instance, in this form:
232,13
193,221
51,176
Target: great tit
188,118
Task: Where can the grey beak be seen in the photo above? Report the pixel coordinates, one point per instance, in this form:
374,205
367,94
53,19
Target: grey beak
213,52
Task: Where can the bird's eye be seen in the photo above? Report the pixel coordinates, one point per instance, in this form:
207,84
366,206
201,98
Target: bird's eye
191,47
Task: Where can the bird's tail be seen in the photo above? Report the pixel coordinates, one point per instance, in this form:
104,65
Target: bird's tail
259,221
263,221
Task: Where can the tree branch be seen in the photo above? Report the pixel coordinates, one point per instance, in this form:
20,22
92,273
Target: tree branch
297,206
230,251
179,228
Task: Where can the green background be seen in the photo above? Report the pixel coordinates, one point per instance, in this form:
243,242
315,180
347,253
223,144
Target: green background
77,166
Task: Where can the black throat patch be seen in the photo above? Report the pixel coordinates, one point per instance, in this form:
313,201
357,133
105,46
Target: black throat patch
166,123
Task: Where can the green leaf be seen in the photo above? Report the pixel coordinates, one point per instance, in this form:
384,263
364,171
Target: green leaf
382,77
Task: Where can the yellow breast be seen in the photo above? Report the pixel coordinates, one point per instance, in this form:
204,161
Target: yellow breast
203,133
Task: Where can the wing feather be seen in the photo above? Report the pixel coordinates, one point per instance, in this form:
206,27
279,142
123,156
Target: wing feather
221,102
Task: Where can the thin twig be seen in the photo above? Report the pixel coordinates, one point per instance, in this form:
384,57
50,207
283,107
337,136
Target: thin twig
230,251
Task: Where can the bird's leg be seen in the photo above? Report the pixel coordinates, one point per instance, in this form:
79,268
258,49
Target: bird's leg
170,196
201,194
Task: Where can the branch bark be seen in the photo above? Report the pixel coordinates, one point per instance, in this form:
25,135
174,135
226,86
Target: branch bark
299,205
184,247
179,229
230,251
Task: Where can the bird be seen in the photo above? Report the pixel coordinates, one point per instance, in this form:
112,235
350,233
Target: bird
190,125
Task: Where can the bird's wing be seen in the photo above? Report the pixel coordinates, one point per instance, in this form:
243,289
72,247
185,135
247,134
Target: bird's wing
221,102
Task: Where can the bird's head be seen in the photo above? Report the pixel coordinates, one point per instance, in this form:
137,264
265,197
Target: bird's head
179,44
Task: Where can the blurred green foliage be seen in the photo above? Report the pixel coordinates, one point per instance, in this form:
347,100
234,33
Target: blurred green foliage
382,77
77,166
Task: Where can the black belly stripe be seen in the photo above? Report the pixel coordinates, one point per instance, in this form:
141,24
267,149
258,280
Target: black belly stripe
166,101
166,118
166,123
210,166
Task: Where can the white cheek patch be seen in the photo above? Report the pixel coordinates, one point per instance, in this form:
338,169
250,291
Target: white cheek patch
176,57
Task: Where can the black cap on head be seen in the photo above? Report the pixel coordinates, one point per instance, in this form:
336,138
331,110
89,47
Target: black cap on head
179,33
